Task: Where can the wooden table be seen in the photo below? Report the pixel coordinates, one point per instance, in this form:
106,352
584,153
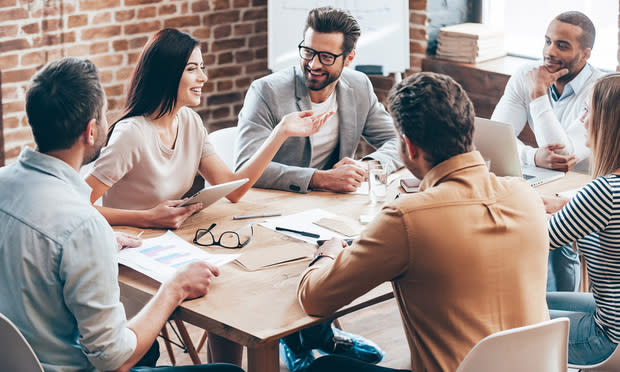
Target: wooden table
256,309
572,180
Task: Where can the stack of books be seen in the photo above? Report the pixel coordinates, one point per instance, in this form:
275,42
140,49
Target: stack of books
470,43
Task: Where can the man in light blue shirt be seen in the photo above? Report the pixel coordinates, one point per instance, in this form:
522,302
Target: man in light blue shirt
551,98
59,271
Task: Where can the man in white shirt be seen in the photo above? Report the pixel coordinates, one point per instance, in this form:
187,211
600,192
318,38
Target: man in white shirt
551,98
324,160
321,83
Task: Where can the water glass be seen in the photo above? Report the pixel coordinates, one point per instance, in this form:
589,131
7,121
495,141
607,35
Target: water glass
377,182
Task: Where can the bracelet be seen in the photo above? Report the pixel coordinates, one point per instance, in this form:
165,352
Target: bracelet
319,256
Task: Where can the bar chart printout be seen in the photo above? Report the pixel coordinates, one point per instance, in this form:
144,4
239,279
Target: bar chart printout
160,257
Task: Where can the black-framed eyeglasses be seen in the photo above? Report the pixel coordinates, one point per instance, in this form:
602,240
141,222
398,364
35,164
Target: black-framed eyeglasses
227,239
326,58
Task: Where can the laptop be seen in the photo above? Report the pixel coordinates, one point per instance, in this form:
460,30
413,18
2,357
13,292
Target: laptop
211,194
497,142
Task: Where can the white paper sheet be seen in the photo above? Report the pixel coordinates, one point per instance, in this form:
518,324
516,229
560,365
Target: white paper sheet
160,257
568,194
304,222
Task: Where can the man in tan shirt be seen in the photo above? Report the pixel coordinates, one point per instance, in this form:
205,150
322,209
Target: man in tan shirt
467,255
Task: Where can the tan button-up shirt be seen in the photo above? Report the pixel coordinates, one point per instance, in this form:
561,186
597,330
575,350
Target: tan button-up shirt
467,257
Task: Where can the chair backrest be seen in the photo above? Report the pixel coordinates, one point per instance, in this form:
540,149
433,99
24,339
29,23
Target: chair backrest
224,142
611,364
15,352
541,347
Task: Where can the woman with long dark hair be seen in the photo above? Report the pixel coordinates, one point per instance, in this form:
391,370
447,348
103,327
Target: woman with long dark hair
157,147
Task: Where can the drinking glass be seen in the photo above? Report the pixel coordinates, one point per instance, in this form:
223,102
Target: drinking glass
377,182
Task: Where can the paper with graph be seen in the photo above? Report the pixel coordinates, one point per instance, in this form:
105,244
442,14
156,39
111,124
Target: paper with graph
160,257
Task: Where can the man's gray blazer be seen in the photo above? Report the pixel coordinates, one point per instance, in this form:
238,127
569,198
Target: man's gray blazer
360,115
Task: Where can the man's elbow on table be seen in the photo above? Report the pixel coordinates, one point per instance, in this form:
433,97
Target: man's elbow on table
311,297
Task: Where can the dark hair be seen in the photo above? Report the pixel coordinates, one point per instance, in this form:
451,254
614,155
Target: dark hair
62,98
575,18
434,112
155,80
327,19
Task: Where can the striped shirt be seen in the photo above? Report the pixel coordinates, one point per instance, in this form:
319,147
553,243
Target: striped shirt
592,218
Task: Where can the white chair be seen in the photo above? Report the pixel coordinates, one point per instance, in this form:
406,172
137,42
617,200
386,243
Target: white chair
15,352
541,347
611,364
224,142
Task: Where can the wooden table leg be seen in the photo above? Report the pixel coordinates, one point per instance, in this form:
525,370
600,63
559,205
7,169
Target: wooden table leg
264,358
187,341
164,332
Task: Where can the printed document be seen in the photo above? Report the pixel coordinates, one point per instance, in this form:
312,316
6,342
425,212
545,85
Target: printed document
160,257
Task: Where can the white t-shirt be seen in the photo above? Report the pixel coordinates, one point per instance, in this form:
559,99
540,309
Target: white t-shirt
141,171
325,141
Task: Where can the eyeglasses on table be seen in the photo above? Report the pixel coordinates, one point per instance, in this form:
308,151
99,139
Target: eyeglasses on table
227,239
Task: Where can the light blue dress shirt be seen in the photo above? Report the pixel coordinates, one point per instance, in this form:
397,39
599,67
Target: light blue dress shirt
58,267
574,85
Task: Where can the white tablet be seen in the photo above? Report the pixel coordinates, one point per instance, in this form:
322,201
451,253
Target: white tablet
211,194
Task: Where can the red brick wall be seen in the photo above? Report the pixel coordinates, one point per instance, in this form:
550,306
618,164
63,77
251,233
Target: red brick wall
112,32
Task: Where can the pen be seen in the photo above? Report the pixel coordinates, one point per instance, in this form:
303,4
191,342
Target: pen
140,234
308,234
272,214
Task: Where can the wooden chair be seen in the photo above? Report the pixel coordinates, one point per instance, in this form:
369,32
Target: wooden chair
15,352
541,347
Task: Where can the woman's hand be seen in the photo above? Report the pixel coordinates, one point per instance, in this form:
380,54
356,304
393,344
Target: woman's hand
553,203
303,123
168,215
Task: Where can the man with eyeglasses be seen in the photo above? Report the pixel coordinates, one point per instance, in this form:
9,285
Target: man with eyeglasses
324,160
322,84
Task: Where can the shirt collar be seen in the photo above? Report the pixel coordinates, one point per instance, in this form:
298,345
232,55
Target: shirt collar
573,86
447,167
54,167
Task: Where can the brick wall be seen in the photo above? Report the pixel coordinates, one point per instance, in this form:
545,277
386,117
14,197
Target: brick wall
111,33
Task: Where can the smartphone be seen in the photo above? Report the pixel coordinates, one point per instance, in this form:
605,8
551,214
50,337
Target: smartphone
410,184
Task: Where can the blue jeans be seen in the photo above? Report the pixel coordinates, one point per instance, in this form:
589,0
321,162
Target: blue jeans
563,272
215,367
148,361
587,343
337,363
309,338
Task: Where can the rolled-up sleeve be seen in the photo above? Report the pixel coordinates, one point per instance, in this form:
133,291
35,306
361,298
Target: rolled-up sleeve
89,273
375,258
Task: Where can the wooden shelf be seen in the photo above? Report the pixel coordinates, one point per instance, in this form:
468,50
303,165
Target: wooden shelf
484,82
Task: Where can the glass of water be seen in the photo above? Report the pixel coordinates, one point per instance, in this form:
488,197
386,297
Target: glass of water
377,182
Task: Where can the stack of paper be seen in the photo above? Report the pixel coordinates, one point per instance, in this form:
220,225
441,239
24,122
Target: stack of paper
470,43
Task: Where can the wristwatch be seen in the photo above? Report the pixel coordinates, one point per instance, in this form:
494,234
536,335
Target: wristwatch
319,256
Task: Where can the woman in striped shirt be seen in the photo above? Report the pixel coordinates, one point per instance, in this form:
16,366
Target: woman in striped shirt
592,219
